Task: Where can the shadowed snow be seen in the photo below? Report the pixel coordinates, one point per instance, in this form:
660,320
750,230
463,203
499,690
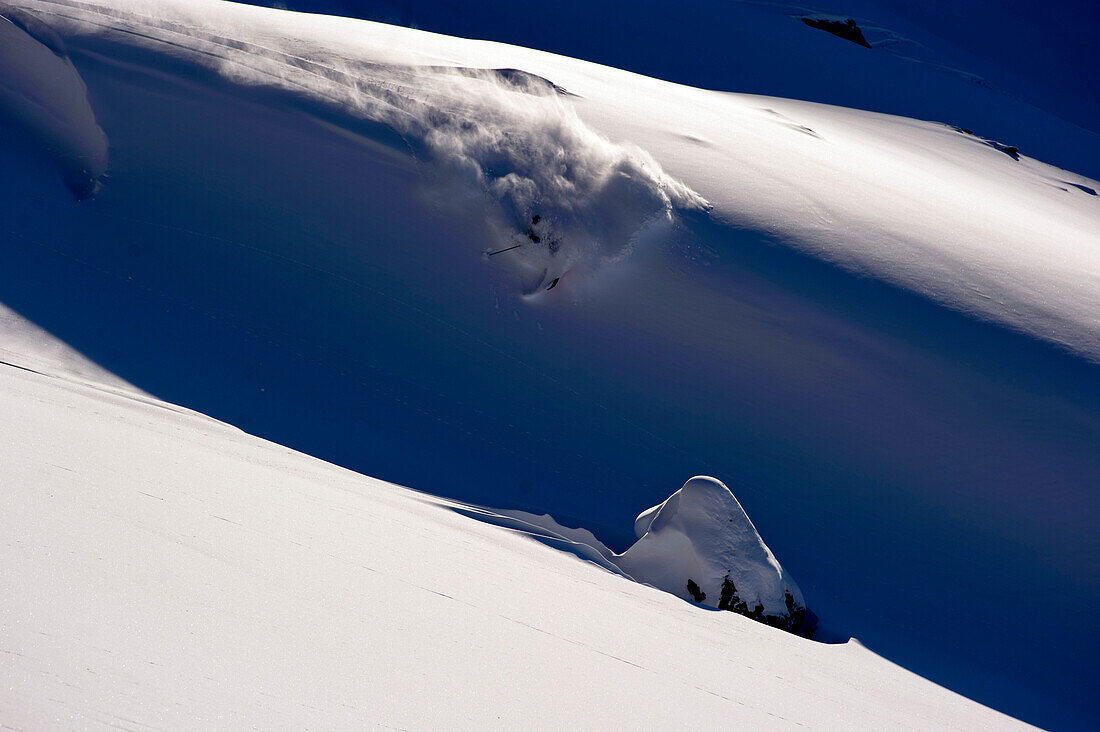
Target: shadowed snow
43,96
295,238
504,140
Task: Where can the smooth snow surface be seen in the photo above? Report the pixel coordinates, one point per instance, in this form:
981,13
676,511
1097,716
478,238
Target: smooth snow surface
162,569
323,231
25,345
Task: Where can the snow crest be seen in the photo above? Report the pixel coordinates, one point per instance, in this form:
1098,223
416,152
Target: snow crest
555,193
43,96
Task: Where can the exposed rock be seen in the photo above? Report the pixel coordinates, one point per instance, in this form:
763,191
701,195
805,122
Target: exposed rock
1010,150
846,29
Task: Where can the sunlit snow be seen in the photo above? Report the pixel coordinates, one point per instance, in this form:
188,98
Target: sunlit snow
544,292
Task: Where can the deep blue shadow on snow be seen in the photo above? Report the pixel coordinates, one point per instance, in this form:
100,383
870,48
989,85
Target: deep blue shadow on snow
930,481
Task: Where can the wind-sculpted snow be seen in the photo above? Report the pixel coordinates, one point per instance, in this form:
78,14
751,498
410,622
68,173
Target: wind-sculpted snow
944,218
43,97
980,64
559,196
698,544
295,238
702,536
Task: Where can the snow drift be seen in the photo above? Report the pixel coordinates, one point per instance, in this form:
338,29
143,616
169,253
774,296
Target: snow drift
500,139
42,96
699,544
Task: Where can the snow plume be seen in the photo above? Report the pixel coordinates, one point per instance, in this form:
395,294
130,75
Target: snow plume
562,196
556,193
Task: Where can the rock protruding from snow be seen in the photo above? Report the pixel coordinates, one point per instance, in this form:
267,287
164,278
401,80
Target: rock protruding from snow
700,545
42,94
846,28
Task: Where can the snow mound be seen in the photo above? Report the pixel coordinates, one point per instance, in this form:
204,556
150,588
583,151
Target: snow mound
700,545
43,96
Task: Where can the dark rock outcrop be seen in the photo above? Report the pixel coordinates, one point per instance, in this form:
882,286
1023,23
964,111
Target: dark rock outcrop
846,29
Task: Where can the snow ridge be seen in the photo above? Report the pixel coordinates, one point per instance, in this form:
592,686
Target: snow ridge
558,195
43,96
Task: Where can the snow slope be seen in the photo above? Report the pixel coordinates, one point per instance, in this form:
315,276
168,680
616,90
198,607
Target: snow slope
294,237
1012,69
163,569
965,224
42,96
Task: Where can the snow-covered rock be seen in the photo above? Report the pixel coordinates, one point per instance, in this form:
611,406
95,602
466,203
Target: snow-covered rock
701,545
